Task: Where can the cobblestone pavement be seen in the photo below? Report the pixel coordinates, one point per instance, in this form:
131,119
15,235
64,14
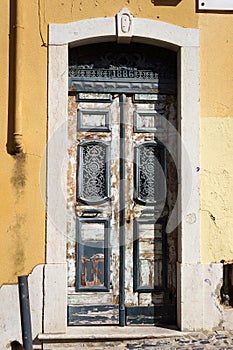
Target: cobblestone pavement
195,341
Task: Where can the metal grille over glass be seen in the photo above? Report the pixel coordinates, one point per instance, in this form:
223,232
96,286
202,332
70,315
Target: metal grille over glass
150,182
93,172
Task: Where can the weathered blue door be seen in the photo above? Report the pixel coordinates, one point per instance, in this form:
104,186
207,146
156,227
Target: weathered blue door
121,191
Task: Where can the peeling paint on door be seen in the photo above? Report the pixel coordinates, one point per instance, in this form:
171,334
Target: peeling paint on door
127,92
151,269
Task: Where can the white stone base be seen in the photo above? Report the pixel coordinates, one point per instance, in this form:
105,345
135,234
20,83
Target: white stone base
52,304
55,298
198,303
10,324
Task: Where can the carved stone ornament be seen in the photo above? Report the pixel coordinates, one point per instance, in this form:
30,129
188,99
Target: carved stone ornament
125,23
124,26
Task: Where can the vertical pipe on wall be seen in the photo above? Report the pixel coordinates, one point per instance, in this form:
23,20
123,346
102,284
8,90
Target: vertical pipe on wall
25,312
17,38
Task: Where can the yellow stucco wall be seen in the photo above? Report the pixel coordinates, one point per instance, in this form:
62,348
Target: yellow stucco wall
22,224
216,65
216,189
216,136
56,11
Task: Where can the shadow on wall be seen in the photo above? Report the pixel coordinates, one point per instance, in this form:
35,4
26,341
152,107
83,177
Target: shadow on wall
227,287
165,2
16,346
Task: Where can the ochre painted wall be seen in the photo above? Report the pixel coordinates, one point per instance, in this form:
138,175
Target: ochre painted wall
216,189
65,11
216,34
216,102
22,224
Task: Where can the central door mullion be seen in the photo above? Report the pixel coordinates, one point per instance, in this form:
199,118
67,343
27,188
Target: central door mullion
122,101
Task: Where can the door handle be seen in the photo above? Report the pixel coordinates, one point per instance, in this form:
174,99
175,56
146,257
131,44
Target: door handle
90,213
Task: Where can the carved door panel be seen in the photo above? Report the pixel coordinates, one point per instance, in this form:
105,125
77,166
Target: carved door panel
121,261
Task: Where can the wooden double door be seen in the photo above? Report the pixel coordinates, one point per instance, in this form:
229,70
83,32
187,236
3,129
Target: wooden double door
121,191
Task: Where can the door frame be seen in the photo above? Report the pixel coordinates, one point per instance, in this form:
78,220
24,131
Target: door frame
185,41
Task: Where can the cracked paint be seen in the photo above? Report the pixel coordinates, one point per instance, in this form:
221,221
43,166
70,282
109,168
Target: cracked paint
150,251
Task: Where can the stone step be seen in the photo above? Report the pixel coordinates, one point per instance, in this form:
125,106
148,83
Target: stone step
102,336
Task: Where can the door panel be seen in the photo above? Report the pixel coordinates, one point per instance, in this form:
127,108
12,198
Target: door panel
93,266
120,194
92,254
